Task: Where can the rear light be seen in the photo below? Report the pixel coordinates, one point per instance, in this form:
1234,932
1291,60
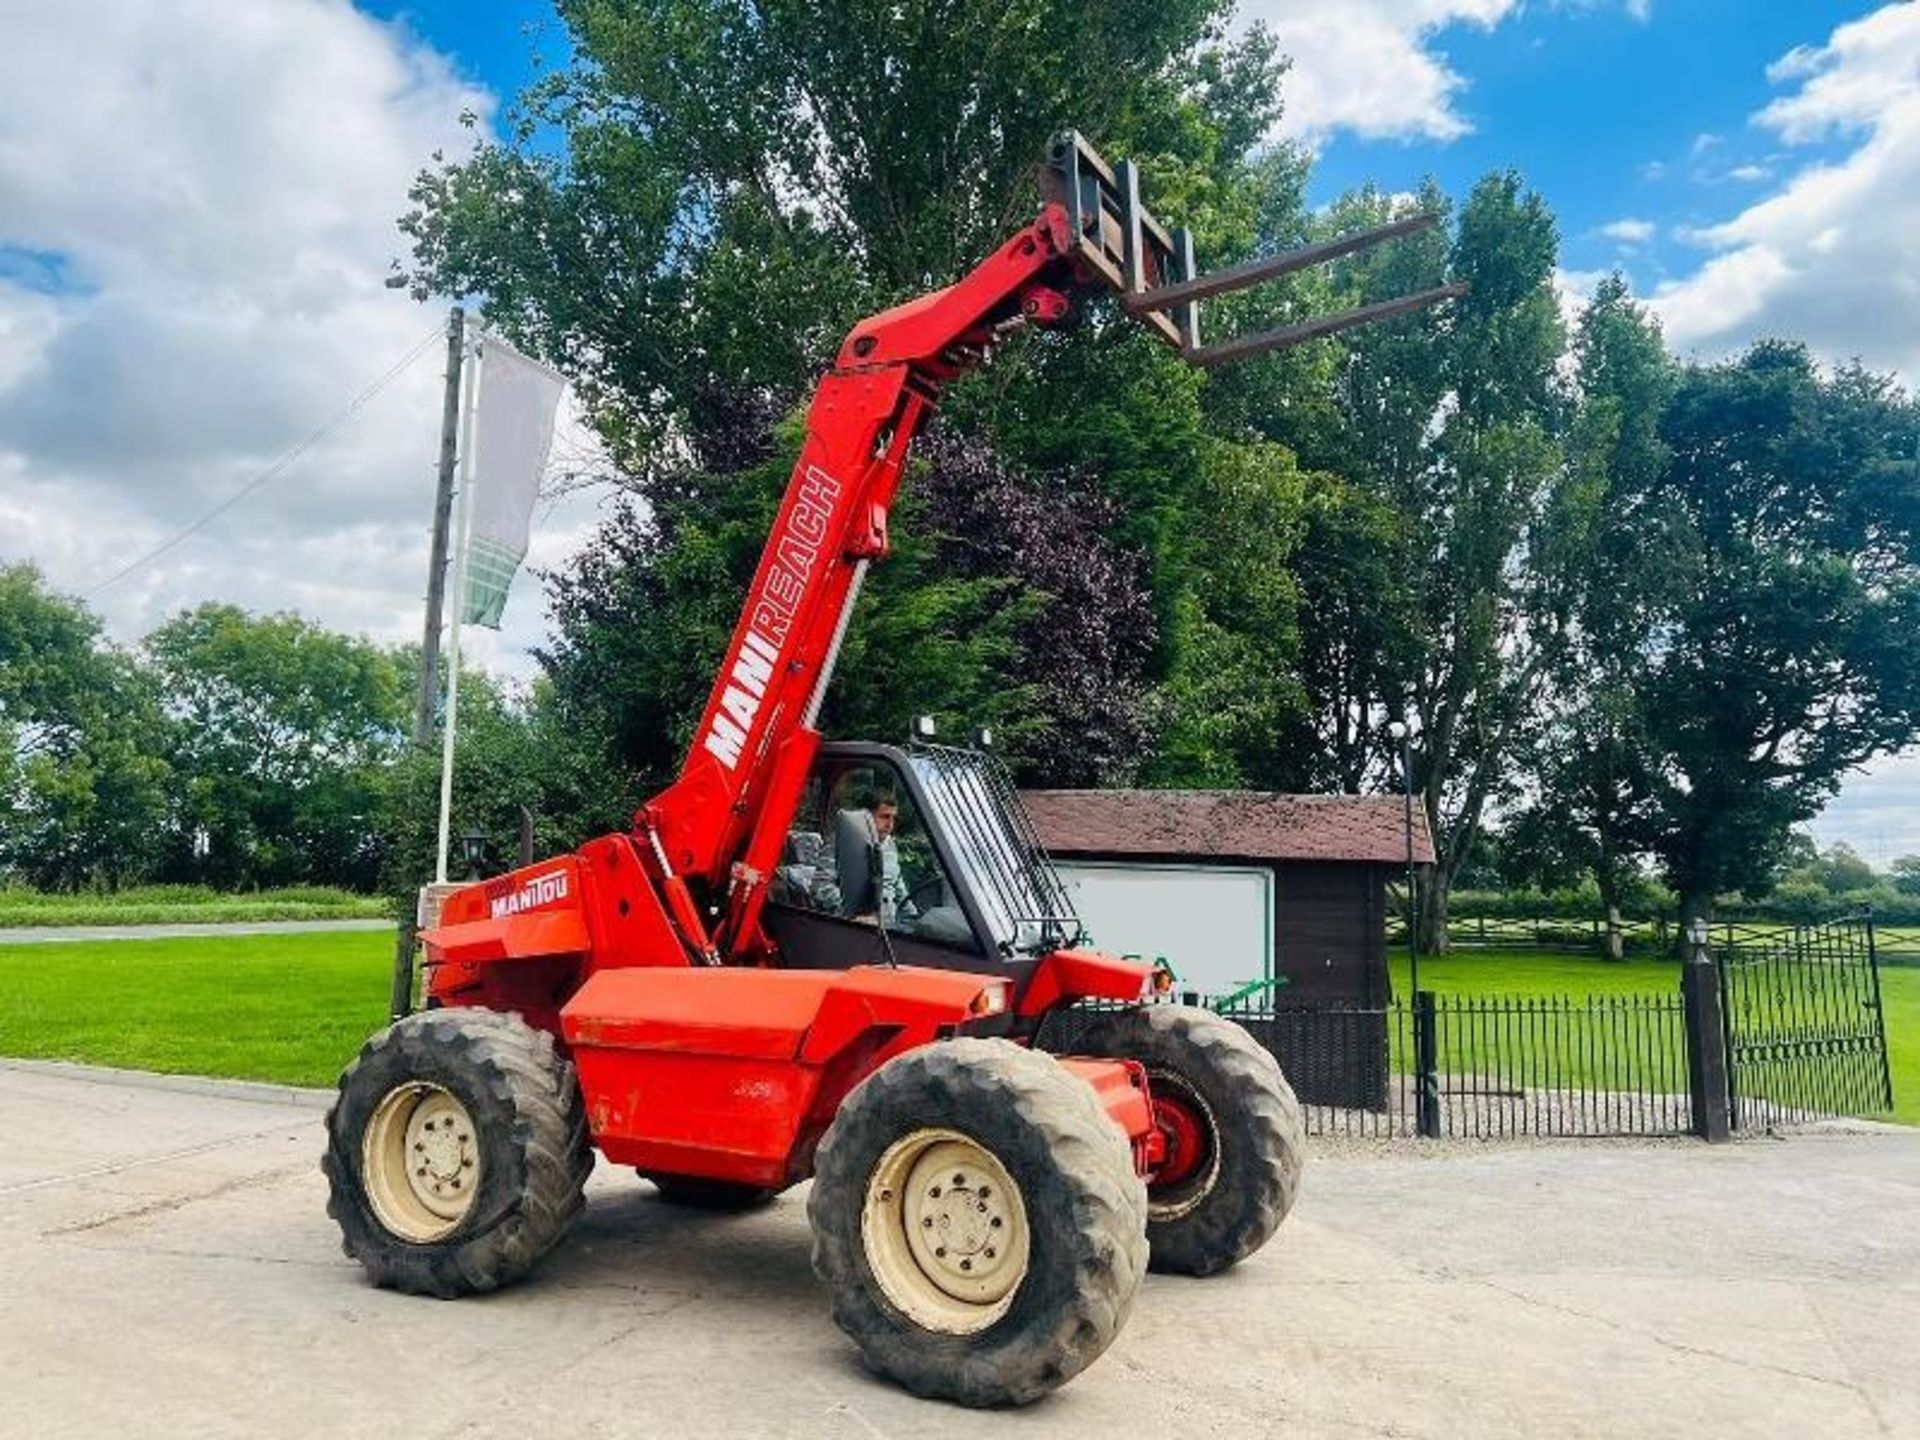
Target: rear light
990,1001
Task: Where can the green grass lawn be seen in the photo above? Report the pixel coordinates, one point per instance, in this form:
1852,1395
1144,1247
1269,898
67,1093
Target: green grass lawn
186,904
1471,973
287,1008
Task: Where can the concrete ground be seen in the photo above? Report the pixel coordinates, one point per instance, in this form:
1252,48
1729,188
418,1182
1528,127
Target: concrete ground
167,1269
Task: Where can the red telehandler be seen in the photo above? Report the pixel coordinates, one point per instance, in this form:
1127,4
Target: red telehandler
834,960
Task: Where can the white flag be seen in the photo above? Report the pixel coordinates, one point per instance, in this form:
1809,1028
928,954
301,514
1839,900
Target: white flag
512,434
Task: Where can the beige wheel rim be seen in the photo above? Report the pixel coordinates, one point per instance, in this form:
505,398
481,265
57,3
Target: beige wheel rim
945,1231
420,1162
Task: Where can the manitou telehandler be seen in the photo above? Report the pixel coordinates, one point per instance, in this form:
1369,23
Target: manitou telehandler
834,961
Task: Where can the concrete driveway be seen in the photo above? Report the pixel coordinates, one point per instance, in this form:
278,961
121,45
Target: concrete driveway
167,1268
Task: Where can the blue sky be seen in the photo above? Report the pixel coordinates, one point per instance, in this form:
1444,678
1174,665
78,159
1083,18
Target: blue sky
198,205
1612,117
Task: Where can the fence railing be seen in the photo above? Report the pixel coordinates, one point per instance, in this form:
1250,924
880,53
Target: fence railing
1542,932
1486,1066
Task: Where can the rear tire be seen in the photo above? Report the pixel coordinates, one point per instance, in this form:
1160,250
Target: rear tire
696,1192
1221,1097
1010,1161
457,1152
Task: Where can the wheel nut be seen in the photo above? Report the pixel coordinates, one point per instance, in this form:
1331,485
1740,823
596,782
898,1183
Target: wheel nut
940,1252
935,1192
959,1180
989,1252
995,1222
927,1221
886,1194
966,1264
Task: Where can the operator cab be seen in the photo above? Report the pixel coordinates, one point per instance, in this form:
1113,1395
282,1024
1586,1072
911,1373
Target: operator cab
914,857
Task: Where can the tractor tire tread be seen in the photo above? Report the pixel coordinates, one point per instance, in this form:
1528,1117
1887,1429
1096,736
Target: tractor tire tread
526,1104
1263,1133
1062,1146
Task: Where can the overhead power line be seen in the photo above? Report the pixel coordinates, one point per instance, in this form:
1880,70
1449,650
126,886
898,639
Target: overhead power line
278,467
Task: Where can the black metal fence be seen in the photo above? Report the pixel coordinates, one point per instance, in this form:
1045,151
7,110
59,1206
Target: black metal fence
1783,1027
1487,1067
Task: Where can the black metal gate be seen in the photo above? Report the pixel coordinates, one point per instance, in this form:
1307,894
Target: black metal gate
1806,1036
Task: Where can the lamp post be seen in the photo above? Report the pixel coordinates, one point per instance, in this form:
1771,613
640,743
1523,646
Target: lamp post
1404,743
473,849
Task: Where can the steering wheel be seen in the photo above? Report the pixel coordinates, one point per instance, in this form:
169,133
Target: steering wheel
912,897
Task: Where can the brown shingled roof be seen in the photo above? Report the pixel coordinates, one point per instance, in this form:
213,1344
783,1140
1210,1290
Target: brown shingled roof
1227,824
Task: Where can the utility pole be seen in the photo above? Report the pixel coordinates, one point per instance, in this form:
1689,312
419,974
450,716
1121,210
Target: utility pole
405,939
442,521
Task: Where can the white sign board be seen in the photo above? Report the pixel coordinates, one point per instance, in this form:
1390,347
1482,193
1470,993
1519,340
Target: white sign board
1213,924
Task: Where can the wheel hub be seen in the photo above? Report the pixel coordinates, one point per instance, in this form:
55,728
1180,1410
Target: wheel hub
945,1231
954,1215
1193,1148
420,1162
441,1154
1186,1140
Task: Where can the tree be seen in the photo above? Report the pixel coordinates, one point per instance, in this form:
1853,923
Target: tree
1786,656
1451,419
1842,870
1906,874
281,732
80,745
1592,762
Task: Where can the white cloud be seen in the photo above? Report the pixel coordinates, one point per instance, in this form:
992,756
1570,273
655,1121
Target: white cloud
1369,66
1372,67
212,186
1828,257
1629,232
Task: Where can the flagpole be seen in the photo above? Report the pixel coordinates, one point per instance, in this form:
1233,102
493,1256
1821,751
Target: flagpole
462,537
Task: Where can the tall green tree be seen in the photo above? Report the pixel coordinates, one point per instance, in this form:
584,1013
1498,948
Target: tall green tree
1452,419
281,733
81,740
1786,657
1593,769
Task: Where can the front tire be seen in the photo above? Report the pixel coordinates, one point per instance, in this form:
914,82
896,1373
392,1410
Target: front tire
457,1152
978,1222
1236,1141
